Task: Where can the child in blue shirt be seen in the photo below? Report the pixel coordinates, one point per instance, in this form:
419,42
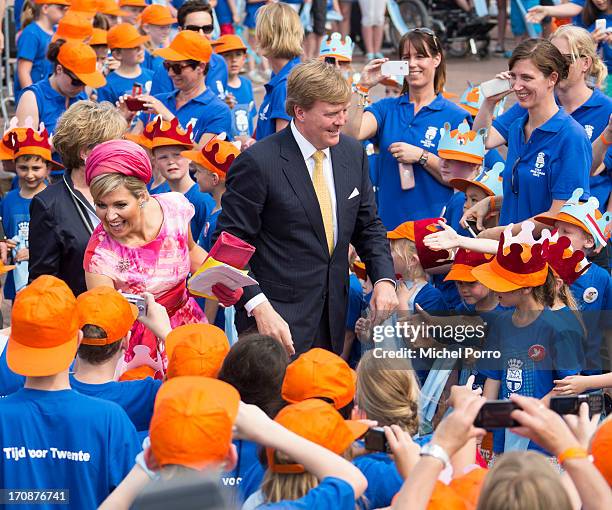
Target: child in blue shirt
156,21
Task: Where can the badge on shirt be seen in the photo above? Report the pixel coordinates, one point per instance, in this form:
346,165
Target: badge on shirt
514,375
538,171
263,115
589,130
590,295
430,136
537,352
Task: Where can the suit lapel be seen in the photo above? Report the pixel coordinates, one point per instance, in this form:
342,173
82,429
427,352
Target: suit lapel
296,172
341,184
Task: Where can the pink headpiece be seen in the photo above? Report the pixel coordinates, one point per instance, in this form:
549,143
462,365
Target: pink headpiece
118,157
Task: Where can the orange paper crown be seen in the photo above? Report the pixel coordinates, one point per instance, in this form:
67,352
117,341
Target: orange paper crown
29,142
144,139
568,264
217,155
171,133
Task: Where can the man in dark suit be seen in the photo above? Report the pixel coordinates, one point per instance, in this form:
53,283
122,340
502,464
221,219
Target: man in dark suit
300,197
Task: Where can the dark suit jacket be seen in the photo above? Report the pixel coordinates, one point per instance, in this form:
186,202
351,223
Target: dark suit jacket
270,202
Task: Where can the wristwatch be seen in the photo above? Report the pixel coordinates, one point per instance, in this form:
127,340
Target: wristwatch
423,159
436,451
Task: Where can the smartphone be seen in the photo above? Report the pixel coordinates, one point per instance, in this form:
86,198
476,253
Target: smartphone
495,86
406,176
571,404
495,414
330,60
138,301
376,441
472,228
600,24
133,104
395,68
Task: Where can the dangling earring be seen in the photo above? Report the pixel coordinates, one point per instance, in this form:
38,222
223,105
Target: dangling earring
142,204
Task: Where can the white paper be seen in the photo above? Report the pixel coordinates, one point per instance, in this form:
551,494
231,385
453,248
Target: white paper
229,276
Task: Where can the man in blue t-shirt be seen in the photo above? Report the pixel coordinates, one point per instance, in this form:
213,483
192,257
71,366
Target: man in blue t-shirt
54,439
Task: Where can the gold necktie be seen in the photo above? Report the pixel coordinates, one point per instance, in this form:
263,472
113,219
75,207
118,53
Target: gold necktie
322,191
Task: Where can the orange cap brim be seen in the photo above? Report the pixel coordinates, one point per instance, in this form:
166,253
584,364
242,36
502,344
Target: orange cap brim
134,43
38,362
396,235
140,139
158,21
170,54
464,184
5,269
460,156
471,109
224,48
460,273
564,217
196,157
160,141
486,275
94,80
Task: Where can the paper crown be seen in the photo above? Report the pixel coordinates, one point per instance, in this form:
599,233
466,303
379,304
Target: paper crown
465,261
171,133
462,144
569,265
472,99
26,141
217,155
490,181
585,215
334,46
144,139
359,269
416,231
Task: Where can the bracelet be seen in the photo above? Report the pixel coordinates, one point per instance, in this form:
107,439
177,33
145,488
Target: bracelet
602,137
575,452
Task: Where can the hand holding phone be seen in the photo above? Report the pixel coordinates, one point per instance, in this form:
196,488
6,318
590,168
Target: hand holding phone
495,414
495,86
133,104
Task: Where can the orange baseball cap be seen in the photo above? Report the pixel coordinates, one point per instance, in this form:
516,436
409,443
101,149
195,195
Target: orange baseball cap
319,373
110,7
144,139
80,59
196,349
192,422
125,35
138,373
601,446
156,14
132,3
187,45
403,231
229,42
89,7
216,156
98,37
74,26
320,423
52,2
4,268
465,261
108,309
44,328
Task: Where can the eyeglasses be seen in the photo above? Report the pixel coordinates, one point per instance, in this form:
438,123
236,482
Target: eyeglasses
514,184
176,67
74,80
206,29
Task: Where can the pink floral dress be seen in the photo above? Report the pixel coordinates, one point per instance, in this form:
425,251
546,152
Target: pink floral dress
159,267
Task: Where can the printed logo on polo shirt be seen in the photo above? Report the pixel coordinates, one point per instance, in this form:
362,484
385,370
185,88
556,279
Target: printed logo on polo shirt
263,115
242,120
514,375
537,352
17,453
430,136
221,90
192,122
589,130
539,165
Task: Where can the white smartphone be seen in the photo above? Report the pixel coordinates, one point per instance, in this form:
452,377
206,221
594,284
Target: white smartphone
495,86
395,68
600,24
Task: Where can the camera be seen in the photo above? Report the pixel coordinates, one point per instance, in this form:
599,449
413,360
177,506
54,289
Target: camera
376,441
571,404
138,301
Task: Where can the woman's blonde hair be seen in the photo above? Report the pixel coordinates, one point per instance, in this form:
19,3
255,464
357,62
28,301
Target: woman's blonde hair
277,487
107,183
522,480
279,32
83,126
405,249
581,45
388,392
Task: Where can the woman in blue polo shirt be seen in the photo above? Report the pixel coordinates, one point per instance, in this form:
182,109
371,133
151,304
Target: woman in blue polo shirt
407,130
280,35
549,154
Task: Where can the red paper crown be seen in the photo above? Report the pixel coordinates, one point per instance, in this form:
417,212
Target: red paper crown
29,142
171,133
521,259
471,258
429,258
6,146
220,153
568,264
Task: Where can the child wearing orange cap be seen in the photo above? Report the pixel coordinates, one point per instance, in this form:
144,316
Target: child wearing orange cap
132,9
111,12
127,47
105,318
52,436
38,19
156,21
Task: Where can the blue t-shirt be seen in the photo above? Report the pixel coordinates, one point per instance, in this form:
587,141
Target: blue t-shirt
210,226
164,187
398,123
247,457
273,104
135,397
65,440
16,222
384,481
206,112
32,45
216,77
203,204
10,382
222,10
117,85
152,62
51,104
330,493
537,172
245,111
355,304
251,481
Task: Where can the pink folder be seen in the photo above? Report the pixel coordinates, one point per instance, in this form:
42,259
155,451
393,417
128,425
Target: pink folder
231,250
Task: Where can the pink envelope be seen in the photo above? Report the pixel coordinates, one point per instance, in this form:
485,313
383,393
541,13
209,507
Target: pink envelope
231,250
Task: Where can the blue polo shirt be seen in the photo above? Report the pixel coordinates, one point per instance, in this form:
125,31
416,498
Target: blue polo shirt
206,112
216,77
51,104
32,45
10,382
203,203
65,440
15,212
384,481
245,111
205,240
152,62
542,172
330,493
117,85
273,104
398,123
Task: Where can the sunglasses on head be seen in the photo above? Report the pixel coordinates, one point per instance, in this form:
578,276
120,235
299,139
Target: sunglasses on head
176,67
206,29
429,32
75,82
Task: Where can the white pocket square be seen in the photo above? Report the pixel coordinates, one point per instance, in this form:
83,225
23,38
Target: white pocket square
354,193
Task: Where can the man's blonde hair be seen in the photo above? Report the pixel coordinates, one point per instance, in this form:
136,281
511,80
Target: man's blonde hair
83,126
315,81
279,32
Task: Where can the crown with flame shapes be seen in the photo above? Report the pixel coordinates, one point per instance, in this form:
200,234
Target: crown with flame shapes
171,133
334,46
568,264
465,261
462,144
490,181
472,99
585,215
416,231
217,155
28,142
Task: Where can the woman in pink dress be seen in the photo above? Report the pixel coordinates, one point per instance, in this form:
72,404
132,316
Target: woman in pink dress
144,242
